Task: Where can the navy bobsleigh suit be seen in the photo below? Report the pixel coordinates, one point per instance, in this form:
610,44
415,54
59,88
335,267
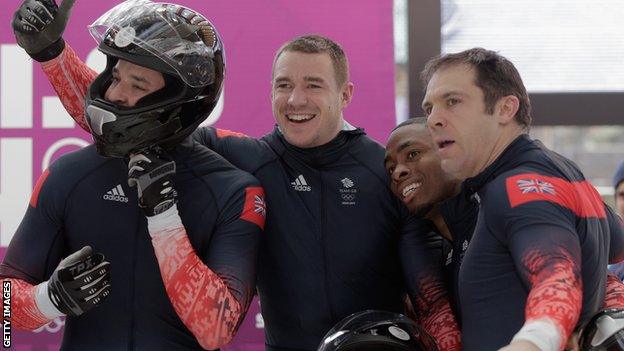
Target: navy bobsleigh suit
542,228
336,240
84,199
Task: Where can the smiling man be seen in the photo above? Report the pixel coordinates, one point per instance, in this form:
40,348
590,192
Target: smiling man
308,97
536,264
411,159
425,185
336,239
417,178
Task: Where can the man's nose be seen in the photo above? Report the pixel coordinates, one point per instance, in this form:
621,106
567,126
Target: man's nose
117,95
400,172
435,119
297,97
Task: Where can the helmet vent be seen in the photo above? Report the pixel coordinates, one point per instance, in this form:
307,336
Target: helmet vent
208,34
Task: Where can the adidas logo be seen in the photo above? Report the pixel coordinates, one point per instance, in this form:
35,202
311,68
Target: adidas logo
300,184
116,194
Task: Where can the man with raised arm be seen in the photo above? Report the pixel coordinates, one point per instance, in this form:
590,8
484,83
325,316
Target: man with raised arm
179,225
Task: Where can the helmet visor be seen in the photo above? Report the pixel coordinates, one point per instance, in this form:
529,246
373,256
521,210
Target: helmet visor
181,38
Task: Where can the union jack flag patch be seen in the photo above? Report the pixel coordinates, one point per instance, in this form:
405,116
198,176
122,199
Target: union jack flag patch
260,205
527,186
579,196
254,209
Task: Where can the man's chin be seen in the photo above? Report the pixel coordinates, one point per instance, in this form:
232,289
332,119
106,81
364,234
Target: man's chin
421,210
453,168
298,141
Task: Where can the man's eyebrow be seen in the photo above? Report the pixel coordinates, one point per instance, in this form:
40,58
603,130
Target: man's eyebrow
426,104
452,92
133,77
401,148
281,79
314,79
404,145
139,79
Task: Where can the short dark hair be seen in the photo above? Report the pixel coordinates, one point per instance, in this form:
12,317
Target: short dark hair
410,121
317,44
496,76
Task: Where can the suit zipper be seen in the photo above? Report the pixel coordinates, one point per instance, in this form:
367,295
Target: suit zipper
324,248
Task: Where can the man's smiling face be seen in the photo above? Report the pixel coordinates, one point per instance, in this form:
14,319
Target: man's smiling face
307,99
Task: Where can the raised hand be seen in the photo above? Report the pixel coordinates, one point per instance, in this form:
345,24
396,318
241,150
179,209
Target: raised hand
38,26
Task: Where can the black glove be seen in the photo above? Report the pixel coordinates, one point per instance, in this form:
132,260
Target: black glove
153,171
38,26
80,282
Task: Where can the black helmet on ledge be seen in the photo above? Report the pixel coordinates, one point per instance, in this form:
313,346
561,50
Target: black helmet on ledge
379,331
176,41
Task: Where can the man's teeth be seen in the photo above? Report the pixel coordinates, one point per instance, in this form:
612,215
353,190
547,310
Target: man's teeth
300,117
411,188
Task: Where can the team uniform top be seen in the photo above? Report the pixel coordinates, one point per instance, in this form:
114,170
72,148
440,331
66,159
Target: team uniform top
336,240
334,231
460,215
540,247
84,199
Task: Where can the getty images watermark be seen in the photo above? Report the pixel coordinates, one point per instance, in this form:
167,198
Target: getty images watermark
6,314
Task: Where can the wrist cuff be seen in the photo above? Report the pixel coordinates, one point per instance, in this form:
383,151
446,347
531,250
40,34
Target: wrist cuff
50,52
44,304
543,333
164,222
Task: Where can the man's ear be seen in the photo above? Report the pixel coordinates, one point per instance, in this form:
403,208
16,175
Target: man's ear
507,108
347,94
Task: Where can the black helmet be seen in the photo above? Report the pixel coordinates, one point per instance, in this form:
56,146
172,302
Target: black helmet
604,332
173,40
378,331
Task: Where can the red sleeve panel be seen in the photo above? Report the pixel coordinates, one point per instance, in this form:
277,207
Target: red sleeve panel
70,78
435,315
199,296
24,312
544,244
419,254
556,291
614,295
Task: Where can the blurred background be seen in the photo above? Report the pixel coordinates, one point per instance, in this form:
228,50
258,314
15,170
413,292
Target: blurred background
570,54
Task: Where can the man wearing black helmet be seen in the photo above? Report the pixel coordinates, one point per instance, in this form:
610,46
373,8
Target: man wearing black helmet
337,241
183,278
